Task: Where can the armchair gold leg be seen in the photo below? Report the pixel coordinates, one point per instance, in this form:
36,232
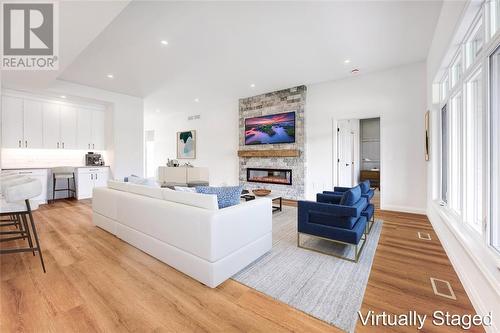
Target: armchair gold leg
357,248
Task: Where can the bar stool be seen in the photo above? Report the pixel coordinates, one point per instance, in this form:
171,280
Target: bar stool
61,173
16,201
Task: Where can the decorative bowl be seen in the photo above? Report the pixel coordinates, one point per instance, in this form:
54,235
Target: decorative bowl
261,192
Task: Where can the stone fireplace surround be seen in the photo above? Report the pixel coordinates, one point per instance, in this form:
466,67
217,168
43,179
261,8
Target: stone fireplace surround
287,100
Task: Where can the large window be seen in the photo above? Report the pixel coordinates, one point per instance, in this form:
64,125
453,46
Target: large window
495,148
444,154
455,180
473,148
470,130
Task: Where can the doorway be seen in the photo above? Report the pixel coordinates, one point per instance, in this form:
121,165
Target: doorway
358,152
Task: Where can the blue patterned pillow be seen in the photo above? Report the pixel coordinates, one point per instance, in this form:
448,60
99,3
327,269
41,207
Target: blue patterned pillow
226,196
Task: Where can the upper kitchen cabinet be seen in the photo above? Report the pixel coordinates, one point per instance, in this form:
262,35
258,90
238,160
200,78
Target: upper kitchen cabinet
22,125
84,129
90,133
39,122
98,121
68,126
51,126
12,122
33,124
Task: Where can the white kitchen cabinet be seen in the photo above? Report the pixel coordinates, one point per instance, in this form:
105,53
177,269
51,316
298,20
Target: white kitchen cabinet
51,126
40,174
88,179
33,124
98,120
68,127
84,129
12,122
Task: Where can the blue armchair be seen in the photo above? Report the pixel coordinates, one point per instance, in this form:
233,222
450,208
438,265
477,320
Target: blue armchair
366,192
339,222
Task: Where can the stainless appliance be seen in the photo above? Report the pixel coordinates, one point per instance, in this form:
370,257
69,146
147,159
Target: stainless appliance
92,159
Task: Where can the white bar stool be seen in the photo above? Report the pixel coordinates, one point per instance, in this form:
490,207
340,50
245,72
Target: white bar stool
15,201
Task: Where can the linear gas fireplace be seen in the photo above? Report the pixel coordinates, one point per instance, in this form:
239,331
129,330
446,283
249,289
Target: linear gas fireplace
270,176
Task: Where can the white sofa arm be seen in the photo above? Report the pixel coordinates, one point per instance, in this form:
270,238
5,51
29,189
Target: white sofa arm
234,227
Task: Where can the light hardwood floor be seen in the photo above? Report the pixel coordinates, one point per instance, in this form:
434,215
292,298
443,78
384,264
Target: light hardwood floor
95,282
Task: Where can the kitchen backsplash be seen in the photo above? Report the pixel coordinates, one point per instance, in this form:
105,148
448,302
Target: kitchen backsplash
43,158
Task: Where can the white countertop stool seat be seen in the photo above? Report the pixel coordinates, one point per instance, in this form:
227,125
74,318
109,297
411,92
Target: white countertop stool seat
63,173
15,204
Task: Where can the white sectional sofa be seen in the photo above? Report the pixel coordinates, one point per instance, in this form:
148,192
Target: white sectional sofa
186,230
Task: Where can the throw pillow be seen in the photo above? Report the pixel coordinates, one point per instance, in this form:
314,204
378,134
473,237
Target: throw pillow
351,196
365,186
226,196
185,189
151,182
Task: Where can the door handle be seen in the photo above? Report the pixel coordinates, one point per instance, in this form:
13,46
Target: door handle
92,176
89,145
19,143
347,164
58,145
63,145
93,146
26,143
96,176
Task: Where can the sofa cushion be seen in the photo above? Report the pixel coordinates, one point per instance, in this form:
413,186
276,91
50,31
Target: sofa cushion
351,196
191,199
185,189
153,192
365,186
226,196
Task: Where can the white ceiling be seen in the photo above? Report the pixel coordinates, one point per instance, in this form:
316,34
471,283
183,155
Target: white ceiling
220,48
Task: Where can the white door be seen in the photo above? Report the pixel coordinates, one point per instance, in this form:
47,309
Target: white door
33,124
51,126
85,184
84,129
12,122
68,127
101,177
345,154
98,130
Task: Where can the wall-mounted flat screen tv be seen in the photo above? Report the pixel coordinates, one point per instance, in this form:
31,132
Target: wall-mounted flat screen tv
271,129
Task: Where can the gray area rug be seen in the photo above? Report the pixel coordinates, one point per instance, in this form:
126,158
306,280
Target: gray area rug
320,285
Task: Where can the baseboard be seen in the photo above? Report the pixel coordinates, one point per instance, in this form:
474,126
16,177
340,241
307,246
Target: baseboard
482,294
404,209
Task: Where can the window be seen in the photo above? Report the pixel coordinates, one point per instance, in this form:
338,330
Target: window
456,71
473,159
455,180
474,43
444,154
444,88
494,16
495,149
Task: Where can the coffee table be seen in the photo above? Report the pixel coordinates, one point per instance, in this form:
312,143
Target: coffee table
276,199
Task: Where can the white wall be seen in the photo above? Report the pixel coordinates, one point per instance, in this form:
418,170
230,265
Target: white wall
398,97
216,138
125,136
472,260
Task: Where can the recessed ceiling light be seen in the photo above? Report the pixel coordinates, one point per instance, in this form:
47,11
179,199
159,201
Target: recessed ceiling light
197,100
110,76
355,71
164,42
63,96
252,85
347,61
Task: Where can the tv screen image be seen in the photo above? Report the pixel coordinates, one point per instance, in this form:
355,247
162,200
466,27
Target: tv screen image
275,128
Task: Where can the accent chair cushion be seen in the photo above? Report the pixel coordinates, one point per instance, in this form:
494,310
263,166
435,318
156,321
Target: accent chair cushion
351,196
365,186
226,196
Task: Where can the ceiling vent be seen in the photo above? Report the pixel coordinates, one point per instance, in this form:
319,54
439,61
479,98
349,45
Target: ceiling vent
195,117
